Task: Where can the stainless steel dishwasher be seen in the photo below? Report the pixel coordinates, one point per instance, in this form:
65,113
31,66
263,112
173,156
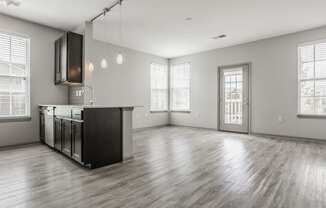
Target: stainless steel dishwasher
49,126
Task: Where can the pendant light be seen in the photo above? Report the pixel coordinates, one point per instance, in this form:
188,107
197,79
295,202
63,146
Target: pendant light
120,58
104,63
91,67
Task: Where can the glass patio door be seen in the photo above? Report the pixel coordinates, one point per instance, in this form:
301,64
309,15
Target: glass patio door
234,98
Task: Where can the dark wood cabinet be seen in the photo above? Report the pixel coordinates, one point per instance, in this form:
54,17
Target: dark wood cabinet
66,137
90,136
42,125
69,59
77,140
103,136
57,62
74,57
57,134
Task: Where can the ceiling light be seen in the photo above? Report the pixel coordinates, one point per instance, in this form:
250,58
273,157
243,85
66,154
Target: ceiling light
119,59
104,64
4,3
219,37
10,2
91,67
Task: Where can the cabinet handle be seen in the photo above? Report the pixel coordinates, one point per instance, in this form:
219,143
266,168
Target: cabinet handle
63,130
73,132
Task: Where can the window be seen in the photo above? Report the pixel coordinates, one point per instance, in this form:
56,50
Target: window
14,76
180,87
312,78
233,95
159,87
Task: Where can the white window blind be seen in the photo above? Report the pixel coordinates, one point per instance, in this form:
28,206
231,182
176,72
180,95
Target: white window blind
14,76
159,87
312,78
180,87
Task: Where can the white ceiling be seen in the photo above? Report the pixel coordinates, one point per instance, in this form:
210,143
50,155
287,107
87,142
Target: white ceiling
159,26
61,14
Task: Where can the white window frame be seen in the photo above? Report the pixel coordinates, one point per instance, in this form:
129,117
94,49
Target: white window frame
165,66
171,89
299,80
27,78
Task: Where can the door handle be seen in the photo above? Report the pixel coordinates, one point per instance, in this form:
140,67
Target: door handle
245,101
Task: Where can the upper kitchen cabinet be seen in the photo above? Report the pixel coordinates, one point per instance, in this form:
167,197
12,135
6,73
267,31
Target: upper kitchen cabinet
69,59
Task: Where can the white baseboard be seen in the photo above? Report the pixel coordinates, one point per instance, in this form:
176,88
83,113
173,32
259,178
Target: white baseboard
195,127
15,146
149,127
285,137
272,136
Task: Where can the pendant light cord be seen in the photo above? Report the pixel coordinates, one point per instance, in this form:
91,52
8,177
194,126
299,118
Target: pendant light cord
120,19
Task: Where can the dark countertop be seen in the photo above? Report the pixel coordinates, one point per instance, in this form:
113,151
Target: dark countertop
90,106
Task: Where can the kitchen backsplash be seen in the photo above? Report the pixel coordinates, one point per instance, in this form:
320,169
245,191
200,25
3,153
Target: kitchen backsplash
76,95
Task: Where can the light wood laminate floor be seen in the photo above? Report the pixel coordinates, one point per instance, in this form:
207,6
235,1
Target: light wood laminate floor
172,167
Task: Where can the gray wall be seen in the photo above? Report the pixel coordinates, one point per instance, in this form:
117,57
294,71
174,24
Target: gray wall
121,85
42,88
274,86
274,83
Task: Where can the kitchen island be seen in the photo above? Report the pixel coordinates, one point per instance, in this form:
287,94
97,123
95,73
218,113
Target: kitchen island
93,136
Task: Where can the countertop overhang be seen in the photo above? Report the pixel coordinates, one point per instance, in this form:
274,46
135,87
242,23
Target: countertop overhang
91,106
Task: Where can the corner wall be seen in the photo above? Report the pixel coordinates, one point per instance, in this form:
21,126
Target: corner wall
120,85
274,86
43,90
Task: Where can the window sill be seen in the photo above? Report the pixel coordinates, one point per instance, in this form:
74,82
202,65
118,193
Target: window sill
15,119
159,111
181,111
311,116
